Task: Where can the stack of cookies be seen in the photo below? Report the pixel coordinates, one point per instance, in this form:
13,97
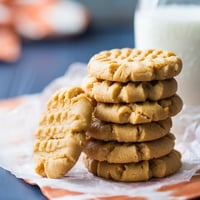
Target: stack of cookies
135,91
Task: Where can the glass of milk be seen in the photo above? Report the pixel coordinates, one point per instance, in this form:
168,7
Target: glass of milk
173,25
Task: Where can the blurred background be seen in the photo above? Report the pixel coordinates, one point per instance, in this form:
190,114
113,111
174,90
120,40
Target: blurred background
39,39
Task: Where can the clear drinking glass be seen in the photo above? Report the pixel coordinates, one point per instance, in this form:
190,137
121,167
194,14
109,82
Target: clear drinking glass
173,25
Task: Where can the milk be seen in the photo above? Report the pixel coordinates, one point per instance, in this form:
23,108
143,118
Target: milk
177,29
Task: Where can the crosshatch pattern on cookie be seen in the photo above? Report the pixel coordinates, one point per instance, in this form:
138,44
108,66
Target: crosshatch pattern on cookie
134,65
129,92
60,136
141,171
115,152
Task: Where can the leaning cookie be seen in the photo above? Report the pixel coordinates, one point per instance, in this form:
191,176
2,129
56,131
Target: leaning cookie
141,171
106,131
116,92
115,152
127,64
61,132
136,113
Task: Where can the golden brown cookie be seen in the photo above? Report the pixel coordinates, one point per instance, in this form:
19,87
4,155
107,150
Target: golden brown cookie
127,64
116,92
127,132
61,132
136,113
115,152
132,172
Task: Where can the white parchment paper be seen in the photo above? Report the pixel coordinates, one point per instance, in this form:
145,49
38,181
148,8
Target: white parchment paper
16,141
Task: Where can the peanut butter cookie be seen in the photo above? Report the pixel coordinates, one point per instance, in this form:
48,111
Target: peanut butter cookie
106,131
132,172
136,113
116,92
61,132
127,64
115,152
